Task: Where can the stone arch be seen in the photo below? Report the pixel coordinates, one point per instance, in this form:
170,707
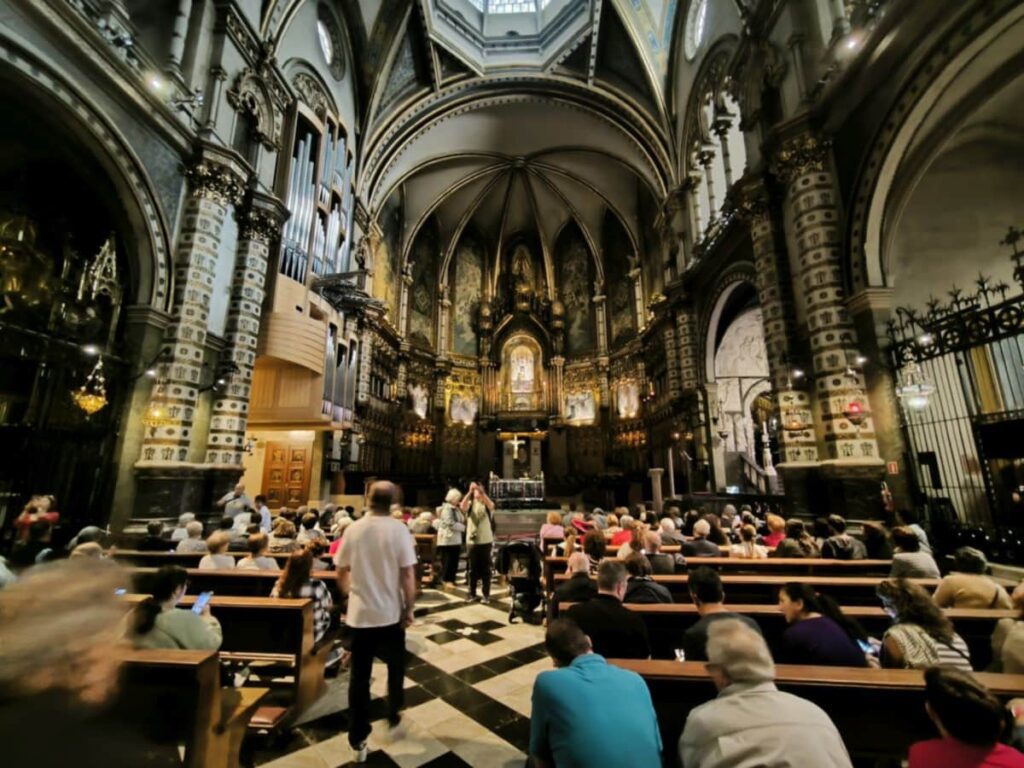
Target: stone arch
740,278
146,218
983,42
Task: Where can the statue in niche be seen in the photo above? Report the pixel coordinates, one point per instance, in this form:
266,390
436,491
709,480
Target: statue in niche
521,360
463,408
419,398
522,276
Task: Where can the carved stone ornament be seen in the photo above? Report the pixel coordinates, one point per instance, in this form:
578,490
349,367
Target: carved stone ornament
214,182
748,203
258,224
251,95
312,93
799,156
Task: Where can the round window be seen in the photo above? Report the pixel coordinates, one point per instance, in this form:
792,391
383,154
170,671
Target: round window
696,28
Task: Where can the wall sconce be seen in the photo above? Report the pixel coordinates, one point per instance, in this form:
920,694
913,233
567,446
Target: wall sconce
855,413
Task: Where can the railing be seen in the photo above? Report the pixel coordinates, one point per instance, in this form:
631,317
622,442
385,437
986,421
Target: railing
764,483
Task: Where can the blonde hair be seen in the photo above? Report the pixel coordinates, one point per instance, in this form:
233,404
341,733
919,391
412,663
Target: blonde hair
775,523
217,542
613,519
284,529
554,518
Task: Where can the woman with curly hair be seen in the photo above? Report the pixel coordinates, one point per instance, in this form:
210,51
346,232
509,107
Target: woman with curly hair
921,635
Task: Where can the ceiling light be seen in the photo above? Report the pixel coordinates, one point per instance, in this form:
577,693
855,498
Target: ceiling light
90,349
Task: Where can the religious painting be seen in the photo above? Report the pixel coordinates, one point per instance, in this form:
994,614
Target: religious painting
462,408
386,256
627,399
619,285
418,400
465,295
580,407
575,281
423,290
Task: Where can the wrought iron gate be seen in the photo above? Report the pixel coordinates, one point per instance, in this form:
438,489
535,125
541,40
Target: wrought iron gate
960,382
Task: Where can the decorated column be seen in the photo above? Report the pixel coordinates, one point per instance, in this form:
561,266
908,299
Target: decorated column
845,428
259,226
212,189
797,444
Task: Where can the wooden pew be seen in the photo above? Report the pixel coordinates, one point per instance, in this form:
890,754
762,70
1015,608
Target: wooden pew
173,697
851,590
879,712
276,634
667,623
237,583
767,566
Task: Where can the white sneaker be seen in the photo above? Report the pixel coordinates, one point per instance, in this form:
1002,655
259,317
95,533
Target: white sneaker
361,753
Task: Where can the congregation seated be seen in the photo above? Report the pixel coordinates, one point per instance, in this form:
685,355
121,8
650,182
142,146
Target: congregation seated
257,559
181,532
669,532
240,536
797,542
586,712
700,545
877,541
296,582
154,540
161,624
39,508
969,586
840,545
921,635
613,526
1008,638
662,563
908,518
689,520
625,532
193,541
88,549
423,523
282,537
751,722
37,548
598,518
970,720
818,632
909,560
640,587
635,545
614,630
595,548
776,531
578,588
552,528
308,530
218,557
748,548
708,596
716,534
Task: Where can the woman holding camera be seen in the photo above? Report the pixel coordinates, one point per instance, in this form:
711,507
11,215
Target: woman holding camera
479,511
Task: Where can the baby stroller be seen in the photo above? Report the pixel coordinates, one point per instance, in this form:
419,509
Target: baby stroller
521,562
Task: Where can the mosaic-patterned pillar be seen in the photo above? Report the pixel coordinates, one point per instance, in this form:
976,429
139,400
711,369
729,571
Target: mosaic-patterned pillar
794,403
686,336
804,166
601,318
212,189
671,361
258,228
555,395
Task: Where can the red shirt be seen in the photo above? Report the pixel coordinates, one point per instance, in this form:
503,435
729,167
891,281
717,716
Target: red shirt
773,539
621,538
950,753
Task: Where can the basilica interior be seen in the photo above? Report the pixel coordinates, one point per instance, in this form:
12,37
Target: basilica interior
586,253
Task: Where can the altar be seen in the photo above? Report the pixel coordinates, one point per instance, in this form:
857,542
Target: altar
516,489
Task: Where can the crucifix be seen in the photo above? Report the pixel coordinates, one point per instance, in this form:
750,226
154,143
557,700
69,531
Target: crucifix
516,443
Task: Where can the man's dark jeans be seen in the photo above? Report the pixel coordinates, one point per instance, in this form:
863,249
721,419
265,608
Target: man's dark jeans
388,645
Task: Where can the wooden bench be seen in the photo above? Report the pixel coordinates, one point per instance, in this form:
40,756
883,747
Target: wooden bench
173,697
237,583
667,623
276,637
879,712
851,590
766,566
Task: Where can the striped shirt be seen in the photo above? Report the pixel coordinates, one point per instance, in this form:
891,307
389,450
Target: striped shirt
921,650
317,591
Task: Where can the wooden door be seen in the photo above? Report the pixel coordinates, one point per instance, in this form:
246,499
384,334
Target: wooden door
286,474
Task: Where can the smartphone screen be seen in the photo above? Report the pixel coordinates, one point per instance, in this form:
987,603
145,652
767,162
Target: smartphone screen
866,647
120,591
201,601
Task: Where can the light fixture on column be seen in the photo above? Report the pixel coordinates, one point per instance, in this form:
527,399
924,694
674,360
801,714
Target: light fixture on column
915,391
855,412
92,395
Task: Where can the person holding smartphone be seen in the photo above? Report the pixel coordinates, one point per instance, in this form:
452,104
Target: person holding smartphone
479,511
161,624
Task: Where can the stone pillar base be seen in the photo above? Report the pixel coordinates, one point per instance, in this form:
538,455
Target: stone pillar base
168,491
852,490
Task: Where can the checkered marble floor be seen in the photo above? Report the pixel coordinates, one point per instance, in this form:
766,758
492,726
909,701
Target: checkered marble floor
469,676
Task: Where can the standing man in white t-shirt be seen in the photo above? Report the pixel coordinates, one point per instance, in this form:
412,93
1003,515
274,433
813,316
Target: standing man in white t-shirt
376,568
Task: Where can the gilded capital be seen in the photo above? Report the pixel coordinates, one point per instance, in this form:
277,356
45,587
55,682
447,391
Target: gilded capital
258,224
214,182
801,155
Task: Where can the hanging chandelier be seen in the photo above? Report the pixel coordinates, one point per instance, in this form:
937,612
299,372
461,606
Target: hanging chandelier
92,395
916,390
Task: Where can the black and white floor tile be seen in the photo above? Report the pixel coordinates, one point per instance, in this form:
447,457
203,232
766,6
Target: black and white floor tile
469,677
